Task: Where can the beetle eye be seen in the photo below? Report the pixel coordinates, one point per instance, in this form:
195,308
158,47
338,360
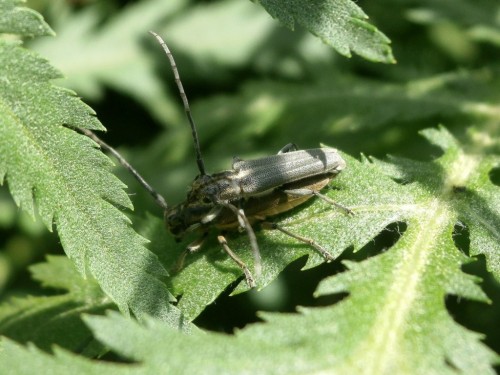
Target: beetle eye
206,200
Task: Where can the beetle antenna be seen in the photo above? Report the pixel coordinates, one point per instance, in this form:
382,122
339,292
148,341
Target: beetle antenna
199,159
160,200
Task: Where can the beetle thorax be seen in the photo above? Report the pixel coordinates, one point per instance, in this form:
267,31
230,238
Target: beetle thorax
219,187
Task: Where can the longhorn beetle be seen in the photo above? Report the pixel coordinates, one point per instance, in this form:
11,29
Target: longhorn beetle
248,193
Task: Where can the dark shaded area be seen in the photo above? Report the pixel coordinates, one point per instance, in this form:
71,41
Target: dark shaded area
297,287
127,122
495,176
478,316
228,313
19,248
461,237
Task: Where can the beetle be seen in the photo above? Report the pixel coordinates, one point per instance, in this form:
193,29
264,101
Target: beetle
245,195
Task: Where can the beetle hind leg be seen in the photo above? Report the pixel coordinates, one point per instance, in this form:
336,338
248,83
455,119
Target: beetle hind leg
320,249
306,192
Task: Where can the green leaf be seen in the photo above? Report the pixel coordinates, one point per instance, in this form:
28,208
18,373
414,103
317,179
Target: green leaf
93,57
475,198
377,201
340,24
460,179
62,172
347,111
478,19
46,320
16,19
211,49
32,360
212,55
394,317
402,305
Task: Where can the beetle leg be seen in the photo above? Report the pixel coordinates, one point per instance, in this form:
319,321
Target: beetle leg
305,192
245,224
214,212
269,225
248,275
193,247
287,148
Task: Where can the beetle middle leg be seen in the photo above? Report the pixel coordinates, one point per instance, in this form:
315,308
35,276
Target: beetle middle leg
194,246
245,224
248,275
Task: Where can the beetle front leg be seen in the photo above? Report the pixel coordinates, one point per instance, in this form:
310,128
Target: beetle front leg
307,192
273,226
193,247
248,275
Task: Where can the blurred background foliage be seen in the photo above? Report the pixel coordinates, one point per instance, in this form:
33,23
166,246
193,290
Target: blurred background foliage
254,86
